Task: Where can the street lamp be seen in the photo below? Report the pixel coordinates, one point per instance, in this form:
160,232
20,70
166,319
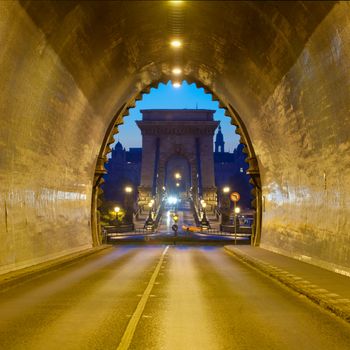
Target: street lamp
225,206
237,210
128,189
128,205
226,189
177,176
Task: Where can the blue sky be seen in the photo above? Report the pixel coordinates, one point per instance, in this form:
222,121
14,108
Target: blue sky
168,97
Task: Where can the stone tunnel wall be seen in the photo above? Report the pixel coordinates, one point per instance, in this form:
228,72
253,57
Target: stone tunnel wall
303,144
45,192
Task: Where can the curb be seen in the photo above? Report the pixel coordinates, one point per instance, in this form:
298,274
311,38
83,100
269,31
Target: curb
13,278
320,296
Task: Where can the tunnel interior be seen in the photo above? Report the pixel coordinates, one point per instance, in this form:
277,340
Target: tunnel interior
70,70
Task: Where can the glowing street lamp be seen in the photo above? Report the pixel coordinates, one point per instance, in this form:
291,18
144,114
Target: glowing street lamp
237,210
177,184
128,189
177,176
117,209
226,189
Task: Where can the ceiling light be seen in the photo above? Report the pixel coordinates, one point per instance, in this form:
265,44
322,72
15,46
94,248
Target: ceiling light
176,43
177,71
176,85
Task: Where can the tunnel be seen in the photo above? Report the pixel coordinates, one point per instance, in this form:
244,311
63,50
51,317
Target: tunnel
70,70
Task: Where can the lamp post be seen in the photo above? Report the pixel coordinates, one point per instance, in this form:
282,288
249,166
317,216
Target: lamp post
128,204
225,206
237,210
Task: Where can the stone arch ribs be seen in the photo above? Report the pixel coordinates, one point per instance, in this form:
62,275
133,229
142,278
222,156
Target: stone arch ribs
236,120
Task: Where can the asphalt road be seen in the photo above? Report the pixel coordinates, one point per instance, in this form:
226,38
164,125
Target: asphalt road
151,297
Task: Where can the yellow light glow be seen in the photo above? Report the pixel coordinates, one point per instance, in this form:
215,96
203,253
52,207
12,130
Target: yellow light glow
177,71
226,189
177,176
128,189
204,205
176,43
117,209
152,201
177,184
150,204
237,210
176,85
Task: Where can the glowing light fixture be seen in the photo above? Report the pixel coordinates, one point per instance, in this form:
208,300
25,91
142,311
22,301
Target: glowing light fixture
176,43
204,205
128,189
117,209
237,210
226,189
150,204
176,84
177,184
152,201
177,176
177,71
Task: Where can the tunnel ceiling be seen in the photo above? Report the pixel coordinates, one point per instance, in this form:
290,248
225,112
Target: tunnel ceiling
103,42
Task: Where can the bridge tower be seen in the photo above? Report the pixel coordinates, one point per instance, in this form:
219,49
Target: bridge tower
179,133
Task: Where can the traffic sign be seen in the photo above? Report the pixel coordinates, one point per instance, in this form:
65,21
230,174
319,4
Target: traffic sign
235,197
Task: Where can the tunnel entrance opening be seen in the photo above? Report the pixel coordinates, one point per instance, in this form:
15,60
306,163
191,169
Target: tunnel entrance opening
113,129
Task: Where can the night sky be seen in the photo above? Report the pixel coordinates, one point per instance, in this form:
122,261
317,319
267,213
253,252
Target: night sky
168,97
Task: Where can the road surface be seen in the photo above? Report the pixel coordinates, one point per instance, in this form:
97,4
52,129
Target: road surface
159,297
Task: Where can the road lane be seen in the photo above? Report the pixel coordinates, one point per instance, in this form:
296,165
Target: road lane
201,298
207,300
84,306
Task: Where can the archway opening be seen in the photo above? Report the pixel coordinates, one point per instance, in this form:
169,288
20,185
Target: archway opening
245,149
178,180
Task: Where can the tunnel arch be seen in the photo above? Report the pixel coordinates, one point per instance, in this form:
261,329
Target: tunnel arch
282,65
236,120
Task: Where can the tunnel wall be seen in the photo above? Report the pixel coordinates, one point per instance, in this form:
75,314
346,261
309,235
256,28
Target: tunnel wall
47,154
303,146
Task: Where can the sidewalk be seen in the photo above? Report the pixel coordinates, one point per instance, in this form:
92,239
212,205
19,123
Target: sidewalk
18,276
326,288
